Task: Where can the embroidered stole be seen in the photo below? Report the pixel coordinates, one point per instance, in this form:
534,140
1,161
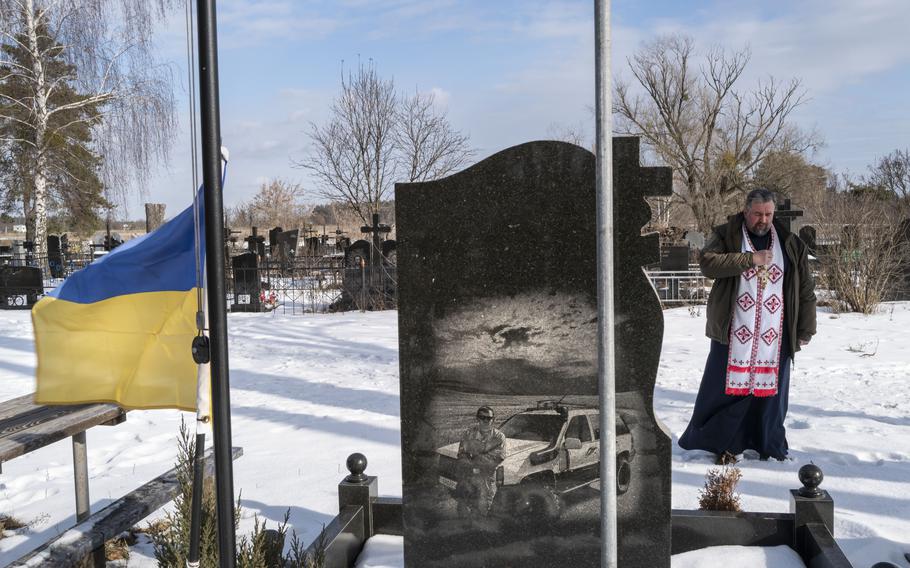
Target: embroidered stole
755,334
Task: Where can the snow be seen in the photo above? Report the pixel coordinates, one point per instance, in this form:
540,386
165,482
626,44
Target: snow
306,391
752,556
385,551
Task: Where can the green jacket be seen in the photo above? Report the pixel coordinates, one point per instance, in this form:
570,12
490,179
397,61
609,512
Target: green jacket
722,260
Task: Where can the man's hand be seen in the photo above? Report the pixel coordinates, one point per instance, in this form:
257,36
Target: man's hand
761,258
803,342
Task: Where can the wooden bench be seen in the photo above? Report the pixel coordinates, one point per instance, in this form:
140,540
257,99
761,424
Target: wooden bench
86,540
26,426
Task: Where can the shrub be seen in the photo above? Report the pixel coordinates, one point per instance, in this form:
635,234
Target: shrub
263,548
718,494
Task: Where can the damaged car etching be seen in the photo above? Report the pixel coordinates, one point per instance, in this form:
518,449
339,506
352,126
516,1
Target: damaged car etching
550,450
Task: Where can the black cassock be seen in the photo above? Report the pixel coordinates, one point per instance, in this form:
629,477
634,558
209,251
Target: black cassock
735,423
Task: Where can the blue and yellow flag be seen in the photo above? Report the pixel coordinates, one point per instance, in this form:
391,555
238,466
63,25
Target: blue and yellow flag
121,329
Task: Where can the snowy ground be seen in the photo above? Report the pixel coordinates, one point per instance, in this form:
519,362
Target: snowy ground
309,390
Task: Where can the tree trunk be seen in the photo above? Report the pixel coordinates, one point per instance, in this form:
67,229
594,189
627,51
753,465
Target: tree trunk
41,120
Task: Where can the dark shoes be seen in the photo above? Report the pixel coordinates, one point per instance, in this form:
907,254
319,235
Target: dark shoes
766,457
725,458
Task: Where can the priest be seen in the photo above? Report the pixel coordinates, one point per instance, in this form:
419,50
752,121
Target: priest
761,311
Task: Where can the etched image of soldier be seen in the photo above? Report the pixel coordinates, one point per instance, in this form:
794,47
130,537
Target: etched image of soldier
480,451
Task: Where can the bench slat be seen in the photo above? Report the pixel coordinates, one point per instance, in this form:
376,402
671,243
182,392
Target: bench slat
16,405
34,427
74,545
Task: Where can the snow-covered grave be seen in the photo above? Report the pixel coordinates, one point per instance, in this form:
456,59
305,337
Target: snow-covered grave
309,390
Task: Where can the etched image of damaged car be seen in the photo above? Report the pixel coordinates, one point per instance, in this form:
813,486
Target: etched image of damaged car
550,450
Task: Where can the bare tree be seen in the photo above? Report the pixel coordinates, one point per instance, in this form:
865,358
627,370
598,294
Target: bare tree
428,145
573,134
375,138
862,254
791,175
276,204
892,174
693,119
126,97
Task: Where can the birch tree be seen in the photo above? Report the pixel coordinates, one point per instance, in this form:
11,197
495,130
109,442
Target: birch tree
74,188
692,116
125,95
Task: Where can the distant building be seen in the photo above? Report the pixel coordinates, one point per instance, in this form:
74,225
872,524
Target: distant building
18,228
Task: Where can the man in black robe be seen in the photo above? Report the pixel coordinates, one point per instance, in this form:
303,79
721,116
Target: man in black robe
727,424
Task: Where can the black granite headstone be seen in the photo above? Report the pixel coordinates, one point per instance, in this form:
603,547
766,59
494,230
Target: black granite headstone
312,246
20,286
247,286
504,315
286,246
808,235
342,243
54,256
273,241
674,258
256,244
357,255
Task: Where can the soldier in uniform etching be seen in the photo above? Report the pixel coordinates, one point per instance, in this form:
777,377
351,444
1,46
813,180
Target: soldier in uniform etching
480,451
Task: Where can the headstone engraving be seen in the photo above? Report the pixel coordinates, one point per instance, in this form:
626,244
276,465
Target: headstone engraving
502,316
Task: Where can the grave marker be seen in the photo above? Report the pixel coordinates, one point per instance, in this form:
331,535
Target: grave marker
808,235
504,315
785,215
245,269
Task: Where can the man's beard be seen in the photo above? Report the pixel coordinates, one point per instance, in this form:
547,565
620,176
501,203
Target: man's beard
760,231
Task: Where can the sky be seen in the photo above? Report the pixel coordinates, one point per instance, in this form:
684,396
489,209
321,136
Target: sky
512,71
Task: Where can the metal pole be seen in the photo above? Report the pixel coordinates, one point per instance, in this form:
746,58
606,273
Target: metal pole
214,262
192,558
606,353
80,475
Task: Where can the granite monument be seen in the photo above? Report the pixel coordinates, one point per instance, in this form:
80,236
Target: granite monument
498,318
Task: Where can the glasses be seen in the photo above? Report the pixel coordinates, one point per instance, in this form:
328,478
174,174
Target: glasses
485,418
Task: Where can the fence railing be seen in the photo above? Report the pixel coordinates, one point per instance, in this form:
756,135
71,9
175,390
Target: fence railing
675,288
316,284
310,285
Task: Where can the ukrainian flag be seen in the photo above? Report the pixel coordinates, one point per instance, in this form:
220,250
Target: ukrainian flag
121,329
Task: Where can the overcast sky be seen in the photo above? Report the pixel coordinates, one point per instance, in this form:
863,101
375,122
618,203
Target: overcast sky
507,71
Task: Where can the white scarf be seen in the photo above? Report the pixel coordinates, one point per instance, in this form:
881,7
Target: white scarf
758,317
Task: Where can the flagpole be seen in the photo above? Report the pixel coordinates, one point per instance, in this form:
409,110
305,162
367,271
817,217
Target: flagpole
203,415
606,352
214,262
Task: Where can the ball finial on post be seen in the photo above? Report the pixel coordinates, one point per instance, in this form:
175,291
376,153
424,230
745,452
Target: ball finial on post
811,476
357,464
